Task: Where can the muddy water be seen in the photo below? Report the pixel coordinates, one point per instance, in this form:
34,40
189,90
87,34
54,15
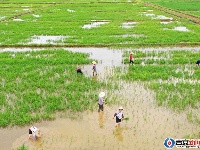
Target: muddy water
146,129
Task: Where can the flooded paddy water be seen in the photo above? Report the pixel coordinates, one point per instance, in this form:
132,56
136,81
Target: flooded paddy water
146,129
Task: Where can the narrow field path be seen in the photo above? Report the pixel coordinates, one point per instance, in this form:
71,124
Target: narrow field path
192,18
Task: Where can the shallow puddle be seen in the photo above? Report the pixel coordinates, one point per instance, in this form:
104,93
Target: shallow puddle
94,24
181,29
165,22
147,127
36,16
153,16
46,39
18,20
161,17
184,29
128,24
69,10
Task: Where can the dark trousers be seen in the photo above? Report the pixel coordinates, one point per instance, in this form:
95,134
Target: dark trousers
198,62
29,131
131,62
100,107
79,71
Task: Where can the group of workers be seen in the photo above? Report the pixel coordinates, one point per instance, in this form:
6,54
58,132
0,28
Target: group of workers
94,69
118,114
34,132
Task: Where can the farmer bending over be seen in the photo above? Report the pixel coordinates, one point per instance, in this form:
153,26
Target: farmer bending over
78,70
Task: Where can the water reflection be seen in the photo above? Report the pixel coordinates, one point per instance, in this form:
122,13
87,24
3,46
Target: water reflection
101,119
118,133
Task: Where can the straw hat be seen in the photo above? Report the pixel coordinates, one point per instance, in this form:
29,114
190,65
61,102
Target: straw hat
131,53
94,62
102,94
121,108
38,133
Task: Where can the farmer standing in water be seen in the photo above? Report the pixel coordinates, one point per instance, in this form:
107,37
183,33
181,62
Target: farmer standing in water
101,101
34,132
131,58
94,69
119,116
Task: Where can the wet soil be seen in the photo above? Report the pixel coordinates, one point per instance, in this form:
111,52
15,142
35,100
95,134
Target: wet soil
146,129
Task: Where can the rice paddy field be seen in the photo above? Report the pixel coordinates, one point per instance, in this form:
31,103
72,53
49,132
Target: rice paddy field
43,42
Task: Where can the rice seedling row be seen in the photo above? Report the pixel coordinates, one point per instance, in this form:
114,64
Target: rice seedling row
173,75
124,24
37,84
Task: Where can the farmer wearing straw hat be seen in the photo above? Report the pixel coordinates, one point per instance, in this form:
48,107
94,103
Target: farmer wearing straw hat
34,132
101,101
119,116
131,58
94,69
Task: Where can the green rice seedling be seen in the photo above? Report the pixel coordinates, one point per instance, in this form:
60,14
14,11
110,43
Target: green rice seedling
126,118
73,24
170,79
22,148
37,85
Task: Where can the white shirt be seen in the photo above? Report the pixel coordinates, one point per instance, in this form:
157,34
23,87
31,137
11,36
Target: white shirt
33,128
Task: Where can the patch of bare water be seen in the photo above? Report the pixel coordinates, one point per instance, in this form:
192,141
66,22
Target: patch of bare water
26,9
2,17
36,16
17,19
161,17
184,29
181,29
95,24
128,25
106,58
165,22
149,15
153,16
69,10
46,39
